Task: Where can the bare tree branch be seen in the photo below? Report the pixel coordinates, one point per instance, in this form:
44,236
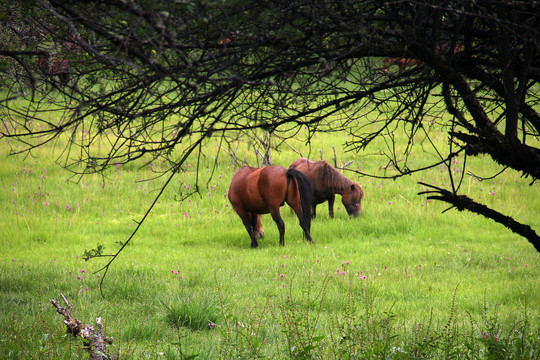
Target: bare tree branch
462,202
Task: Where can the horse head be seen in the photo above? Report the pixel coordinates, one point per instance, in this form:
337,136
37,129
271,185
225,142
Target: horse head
353,200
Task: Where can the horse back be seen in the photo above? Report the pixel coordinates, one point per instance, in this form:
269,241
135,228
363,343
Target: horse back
258,190
273,185
316,171
243,190
304,165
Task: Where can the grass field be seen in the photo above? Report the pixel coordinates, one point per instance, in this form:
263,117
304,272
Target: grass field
403,280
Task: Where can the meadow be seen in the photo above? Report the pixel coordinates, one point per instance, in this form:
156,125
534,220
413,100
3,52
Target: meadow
402,281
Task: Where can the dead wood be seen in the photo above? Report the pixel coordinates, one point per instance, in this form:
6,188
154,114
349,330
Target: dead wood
94,340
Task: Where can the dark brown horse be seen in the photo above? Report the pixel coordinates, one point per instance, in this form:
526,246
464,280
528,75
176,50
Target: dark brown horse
401,63
326,182
55,66
256,191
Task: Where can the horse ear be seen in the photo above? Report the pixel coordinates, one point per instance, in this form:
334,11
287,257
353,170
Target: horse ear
352,187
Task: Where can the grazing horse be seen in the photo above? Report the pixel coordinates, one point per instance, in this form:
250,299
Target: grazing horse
256,191
55,65
401,63
326,182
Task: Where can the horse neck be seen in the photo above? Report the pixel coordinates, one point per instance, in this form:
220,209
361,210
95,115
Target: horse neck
337,181
344,186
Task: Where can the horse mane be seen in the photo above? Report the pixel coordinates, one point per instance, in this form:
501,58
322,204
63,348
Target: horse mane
331,178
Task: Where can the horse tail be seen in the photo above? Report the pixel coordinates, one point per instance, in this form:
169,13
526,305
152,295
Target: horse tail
306,199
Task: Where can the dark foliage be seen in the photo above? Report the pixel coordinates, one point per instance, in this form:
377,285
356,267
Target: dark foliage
153,76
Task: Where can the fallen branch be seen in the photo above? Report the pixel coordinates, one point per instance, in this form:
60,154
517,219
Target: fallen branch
94,340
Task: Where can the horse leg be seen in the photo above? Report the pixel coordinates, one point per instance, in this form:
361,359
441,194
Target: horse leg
256,225
331,200
247,220
314,210
280,225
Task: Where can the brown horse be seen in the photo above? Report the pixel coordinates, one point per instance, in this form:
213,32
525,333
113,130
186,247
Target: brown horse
55,66
401,63
255,191
326,182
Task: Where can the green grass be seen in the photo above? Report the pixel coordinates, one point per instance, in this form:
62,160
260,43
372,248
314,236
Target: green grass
417,281
198,312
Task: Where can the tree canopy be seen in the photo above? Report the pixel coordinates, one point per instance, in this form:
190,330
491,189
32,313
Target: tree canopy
150,76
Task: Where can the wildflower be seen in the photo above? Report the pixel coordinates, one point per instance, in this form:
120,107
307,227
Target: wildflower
68,208
211,325
281,275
